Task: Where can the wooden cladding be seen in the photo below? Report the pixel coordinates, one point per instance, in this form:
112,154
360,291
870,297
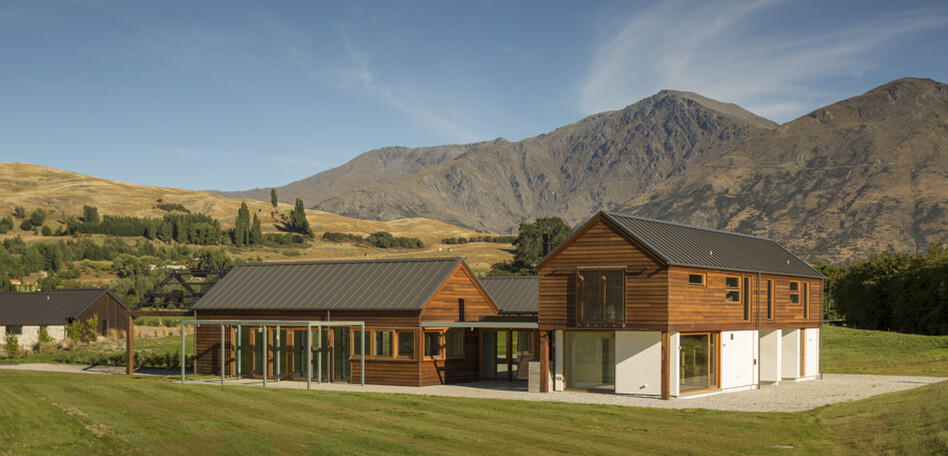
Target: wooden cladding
645,280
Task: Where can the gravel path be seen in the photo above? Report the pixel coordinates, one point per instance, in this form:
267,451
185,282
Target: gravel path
785,397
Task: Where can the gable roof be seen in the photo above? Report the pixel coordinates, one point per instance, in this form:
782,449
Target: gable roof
676,244
48,308
395,284
513,294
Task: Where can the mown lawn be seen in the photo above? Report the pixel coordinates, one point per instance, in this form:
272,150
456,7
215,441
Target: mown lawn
857,351
48,413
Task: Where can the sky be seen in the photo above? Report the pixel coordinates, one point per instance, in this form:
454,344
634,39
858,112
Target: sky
233,95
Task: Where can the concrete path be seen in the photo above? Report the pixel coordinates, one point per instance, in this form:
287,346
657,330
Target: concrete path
785,397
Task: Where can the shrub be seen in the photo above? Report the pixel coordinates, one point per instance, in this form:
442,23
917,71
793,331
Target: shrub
12,346
46,231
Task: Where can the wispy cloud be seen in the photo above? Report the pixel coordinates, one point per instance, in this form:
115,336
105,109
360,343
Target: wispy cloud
719,49
356,75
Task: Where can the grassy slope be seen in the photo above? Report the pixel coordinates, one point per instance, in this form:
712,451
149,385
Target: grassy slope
65,192
855,351
47,413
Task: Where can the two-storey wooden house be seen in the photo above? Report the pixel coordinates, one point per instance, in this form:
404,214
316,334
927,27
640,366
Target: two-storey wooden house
639,306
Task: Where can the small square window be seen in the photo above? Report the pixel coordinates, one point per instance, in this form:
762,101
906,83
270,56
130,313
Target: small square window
732,296
696,279
794,292
732,282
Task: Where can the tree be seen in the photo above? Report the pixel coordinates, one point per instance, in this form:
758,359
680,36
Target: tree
273,197
256,236
37,217
19,212
6,224
242,226
298,222
90,215
529,246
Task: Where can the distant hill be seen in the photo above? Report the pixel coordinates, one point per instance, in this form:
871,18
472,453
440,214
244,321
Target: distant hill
379,166
866,174
596,163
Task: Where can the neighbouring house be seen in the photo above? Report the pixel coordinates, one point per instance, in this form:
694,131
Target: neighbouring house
407,321
25,314
638,306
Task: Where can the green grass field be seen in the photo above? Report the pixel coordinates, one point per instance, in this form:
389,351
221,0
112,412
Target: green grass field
856,351
49,413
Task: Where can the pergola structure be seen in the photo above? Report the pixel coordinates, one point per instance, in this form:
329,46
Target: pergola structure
264,324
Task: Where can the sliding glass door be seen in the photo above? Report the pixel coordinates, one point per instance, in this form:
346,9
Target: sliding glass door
590,360
698,361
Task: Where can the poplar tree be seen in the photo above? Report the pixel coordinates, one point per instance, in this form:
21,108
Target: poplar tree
256,236
242,226
273,197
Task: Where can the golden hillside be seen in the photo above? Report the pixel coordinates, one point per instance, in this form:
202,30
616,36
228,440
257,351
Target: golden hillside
65,193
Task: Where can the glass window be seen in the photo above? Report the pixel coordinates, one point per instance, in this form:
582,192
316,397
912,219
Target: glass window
770,299
454,342
406,344
18,330
383,343
590,360
433,344
357,342
696,279
747,306
732,295
794,292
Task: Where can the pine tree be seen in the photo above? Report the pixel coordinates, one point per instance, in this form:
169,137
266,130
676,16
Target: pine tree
256,237
273,197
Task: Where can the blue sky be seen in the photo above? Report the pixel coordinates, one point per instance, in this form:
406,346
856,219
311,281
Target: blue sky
233,95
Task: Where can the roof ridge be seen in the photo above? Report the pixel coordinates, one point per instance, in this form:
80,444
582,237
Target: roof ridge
380,260
683,225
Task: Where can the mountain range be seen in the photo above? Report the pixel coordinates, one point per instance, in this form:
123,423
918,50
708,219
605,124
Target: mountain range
866,174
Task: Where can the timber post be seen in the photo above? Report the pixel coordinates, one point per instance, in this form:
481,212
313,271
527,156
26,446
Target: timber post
130,346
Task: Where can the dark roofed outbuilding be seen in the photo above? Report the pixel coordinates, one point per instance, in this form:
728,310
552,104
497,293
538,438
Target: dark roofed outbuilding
61,307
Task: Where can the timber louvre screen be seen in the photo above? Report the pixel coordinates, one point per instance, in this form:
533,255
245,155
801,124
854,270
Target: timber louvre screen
600,298
264,324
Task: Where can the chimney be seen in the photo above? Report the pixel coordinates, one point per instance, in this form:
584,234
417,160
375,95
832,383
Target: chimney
547,244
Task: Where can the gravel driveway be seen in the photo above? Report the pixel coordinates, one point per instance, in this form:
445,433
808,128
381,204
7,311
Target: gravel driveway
785,397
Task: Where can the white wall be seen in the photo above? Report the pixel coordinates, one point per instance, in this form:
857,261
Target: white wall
674,364
639,362
790,353
812,347
770,351
559,339
738,351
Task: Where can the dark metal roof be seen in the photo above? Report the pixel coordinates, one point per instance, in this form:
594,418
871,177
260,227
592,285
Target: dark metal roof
49,308
685,245
513,294
398,284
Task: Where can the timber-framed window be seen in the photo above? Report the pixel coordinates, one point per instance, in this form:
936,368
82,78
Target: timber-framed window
441,344
794,292
696,280
806,301
406,344
747,304
732,292
383,343
600,298
433,345
770,299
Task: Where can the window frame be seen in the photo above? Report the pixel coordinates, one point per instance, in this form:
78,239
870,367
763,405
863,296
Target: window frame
440,338
702,276
728,290
794,294
444,343
375,348
770,299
